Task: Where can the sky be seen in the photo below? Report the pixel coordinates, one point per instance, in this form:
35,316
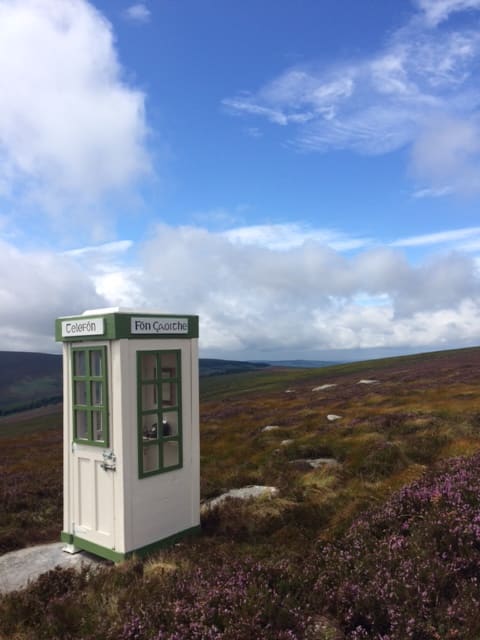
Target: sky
304,175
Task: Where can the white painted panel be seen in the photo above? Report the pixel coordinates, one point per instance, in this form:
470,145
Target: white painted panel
85,494
104,500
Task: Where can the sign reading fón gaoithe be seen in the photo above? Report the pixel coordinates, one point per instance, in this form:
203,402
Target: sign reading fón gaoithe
158,326
83,327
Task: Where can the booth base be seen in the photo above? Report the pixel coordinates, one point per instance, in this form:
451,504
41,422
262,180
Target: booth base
117,556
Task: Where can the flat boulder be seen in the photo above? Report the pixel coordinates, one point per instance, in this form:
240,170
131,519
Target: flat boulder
322,387
244,493
18,568
331,417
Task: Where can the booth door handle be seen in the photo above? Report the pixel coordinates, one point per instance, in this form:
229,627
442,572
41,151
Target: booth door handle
109,461
108,466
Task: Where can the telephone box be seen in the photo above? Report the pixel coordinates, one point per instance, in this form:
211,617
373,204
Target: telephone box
131,430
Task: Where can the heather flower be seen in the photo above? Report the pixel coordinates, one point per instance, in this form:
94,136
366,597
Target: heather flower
410,569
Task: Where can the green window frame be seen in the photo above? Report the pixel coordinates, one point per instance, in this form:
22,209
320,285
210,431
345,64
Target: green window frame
159,402
90,396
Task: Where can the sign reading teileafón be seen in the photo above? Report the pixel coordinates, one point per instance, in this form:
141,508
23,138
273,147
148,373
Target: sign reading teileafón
87,327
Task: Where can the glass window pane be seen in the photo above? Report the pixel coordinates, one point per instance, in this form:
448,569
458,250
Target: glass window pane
96,367
79,363
97,426
150,458
169,394
97,393
149,366
150,427
80,392
149,397
81,426
169,365
170,424
171,454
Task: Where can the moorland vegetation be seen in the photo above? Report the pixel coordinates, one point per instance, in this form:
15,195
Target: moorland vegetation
379,540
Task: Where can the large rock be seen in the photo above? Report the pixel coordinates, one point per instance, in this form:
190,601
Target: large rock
18,568
244,493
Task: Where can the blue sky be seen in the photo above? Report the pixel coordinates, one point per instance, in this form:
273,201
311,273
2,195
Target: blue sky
304,175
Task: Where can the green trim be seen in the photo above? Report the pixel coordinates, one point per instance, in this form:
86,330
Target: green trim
88,409
98,550
66,537
119,325
157,440
116,556
165,542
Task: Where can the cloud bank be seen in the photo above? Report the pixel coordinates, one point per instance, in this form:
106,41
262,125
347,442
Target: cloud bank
253,299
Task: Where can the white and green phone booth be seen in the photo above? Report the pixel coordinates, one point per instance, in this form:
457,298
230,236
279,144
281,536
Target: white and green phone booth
131,430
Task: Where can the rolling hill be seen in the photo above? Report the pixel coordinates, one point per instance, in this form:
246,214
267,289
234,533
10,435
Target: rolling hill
30,380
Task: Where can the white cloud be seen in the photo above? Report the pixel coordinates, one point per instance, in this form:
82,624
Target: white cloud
442,237
71,129
399,96
289,235
437,11
253,297
108,248
35,288
433,192
138,12
448,151
113,272
121,286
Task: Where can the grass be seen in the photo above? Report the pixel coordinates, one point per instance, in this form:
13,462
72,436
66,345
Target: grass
30,480
282,562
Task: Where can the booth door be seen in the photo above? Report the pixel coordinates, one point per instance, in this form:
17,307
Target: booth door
93,497
94,470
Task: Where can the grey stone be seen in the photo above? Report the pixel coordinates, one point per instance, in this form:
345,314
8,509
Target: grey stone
18,568
244,493
323,387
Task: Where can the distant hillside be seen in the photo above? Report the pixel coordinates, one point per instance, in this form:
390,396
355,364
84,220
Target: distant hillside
303,364
30,380
214,367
